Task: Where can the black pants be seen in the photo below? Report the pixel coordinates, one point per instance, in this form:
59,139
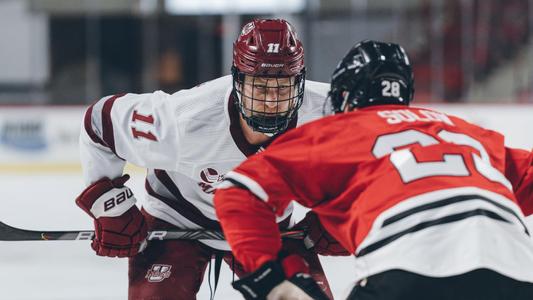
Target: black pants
481,284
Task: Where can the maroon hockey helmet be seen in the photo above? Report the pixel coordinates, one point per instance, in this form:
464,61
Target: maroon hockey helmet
268,59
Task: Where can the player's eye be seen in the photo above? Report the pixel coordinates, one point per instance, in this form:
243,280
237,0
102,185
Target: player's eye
284,89
260,88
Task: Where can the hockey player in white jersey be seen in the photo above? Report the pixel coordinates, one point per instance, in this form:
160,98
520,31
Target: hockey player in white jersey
187,141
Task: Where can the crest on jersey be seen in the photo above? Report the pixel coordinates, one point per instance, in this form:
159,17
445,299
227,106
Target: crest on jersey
210,175
158,273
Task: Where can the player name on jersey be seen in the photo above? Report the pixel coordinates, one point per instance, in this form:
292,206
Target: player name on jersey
403,115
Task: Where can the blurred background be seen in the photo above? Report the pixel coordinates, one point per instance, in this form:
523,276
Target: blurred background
75,51
472,58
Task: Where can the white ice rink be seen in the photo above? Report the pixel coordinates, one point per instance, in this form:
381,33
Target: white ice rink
69,270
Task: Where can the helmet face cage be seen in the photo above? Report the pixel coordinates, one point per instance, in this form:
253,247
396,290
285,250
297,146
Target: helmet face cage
268,103
372,73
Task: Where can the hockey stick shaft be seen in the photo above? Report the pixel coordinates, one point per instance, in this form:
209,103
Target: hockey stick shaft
9,233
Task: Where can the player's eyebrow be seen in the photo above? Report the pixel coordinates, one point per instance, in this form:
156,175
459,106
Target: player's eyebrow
264,80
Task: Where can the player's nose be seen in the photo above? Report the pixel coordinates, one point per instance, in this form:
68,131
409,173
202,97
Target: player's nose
271,99
271,103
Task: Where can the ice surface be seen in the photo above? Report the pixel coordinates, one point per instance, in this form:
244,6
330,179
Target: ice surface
69,269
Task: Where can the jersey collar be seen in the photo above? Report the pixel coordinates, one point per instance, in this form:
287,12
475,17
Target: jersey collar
236,131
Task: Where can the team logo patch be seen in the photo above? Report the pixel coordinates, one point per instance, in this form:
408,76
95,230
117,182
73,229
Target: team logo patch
209,175
158,273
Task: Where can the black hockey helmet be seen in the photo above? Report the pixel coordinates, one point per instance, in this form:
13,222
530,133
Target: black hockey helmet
371,73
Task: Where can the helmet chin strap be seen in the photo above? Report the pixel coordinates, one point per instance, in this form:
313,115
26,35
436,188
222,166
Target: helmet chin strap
257,122
249,123
345,102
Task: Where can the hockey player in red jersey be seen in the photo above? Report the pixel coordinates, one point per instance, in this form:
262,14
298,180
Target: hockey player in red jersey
431,206
187,141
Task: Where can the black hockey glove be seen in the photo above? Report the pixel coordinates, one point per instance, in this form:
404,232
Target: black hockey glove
288,276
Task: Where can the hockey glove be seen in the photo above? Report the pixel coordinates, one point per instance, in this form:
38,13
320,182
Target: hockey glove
120,228
318,239
286,278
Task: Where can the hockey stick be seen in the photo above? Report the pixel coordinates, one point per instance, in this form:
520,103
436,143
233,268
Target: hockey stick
9,233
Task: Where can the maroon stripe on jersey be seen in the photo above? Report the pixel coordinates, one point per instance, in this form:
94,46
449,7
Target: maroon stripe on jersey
284,224
180,204
293,122
236,131
87,122
107,123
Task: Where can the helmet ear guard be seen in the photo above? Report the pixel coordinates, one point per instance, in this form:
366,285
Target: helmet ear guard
371,73
266,51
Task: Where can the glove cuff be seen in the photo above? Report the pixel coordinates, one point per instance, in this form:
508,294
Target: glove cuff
294,264
105,198
258,284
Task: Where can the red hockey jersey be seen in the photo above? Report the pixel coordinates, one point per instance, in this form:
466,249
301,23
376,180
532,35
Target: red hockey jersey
401,188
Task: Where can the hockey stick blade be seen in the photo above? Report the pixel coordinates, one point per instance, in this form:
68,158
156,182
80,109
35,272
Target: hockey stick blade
9,233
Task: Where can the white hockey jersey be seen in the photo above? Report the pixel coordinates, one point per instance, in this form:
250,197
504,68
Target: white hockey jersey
187,141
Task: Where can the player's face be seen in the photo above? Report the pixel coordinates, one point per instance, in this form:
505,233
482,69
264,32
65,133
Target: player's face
268,96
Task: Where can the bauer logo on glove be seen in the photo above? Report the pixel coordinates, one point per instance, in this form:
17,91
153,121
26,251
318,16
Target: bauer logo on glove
107,198
120,228
126,194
